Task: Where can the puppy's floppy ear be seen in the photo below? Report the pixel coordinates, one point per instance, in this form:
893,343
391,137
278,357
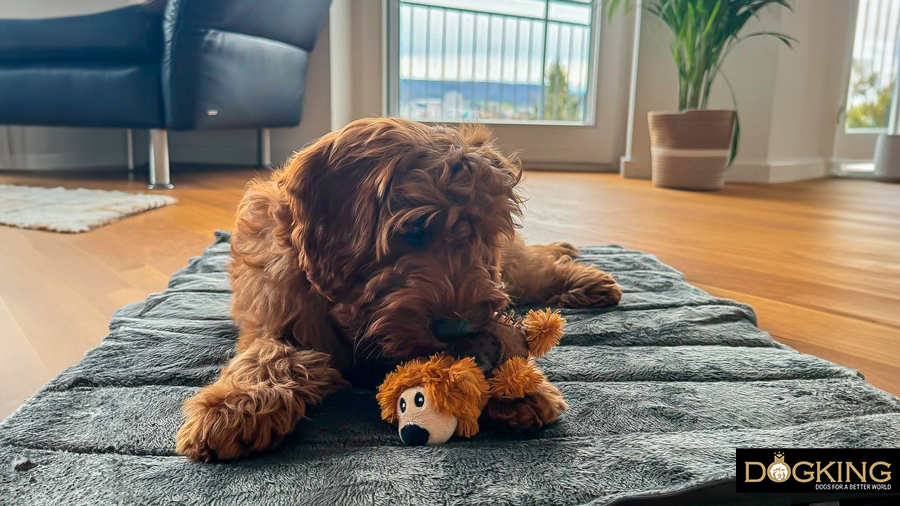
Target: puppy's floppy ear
329,213
333,192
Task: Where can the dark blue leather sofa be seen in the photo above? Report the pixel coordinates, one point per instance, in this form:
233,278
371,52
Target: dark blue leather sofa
157,64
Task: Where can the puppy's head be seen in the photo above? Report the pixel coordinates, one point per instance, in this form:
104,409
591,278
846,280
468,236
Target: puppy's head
399,225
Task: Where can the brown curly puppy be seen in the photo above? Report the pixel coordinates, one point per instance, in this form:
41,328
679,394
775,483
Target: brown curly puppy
379,243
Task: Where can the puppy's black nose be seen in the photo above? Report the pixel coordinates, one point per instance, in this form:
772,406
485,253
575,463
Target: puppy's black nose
413,435
448,330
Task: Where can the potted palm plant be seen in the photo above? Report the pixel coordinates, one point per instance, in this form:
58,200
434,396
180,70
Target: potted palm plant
692,148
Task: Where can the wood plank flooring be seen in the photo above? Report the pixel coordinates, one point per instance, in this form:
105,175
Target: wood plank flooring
819,260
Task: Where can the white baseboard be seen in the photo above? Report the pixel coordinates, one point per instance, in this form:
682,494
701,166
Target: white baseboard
777,172
630,169
96,152
102,159
106,160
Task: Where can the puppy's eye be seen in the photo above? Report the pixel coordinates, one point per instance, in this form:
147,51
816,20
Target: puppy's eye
416,238
403,405
419,400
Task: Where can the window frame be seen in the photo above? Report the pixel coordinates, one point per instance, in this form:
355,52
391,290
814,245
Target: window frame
391,98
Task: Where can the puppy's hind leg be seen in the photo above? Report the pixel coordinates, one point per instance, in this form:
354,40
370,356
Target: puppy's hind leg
259,397
547,274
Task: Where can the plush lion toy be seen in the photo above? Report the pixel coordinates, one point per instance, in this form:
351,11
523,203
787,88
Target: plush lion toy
432,399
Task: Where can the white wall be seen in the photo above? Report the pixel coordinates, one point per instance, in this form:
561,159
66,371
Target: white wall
810,84
341,57
36,148
787,99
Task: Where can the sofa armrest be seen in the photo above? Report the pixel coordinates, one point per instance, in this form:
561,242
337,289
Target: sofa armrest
237,63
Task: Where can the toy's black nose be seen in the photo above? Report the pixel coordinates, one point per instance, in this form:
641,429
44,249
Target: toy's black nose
449,330
413,435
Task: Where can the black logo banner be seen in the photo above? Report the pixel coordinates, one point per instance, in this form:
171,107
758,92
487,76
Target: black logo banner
818,470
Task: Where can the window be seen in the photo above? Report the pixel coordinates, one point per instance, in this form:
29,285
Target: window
874,69
496,61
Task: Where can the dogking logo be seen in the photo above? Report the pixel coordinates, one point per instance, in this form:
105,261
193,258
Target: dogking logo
817,470
778,470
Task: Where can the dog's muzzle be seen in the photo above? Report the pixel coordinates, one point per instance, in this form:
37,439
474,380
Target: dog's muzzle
449,330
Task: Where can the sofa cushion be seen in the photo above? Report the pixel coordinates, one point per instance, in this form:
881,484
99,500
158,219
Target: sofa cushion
96,95
84,30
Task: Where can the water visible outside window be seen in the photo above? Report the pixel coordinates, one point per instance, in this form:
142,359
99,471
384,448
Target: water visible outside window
505,60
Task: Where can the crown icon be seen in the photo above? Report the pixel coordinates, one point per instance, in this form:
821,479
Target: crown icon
779,456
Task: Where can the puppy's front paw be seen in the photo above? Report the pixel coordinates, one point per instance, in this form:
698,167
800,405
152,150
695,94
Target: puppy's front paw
199,441
225,422
531,412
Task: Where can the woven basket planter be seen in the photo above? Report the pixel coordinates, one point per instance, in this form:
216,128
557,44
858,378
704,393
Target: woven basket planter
690,149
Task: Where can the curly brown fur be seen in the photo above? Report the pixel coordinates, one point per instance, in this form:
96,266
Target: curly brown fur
259,397
363,240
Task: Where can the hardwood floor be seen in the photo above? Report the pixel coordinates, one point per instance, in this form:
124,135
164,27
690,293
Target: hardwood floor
819,260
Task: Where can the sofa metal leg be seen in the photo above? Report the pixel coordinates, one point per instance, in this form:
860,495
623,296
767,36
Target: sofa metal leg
129,142
159,160
265,147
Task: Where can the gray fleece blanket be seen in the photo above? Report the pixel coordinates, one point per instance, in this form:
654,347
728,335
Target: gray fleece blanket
662,390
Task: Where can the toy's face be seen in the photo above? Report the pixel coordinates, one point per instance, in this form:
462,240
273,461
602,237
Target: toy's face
420,423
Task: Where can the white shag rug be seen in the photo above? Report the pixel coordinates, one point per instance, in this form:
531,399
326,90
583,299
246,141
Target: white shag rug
62,210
